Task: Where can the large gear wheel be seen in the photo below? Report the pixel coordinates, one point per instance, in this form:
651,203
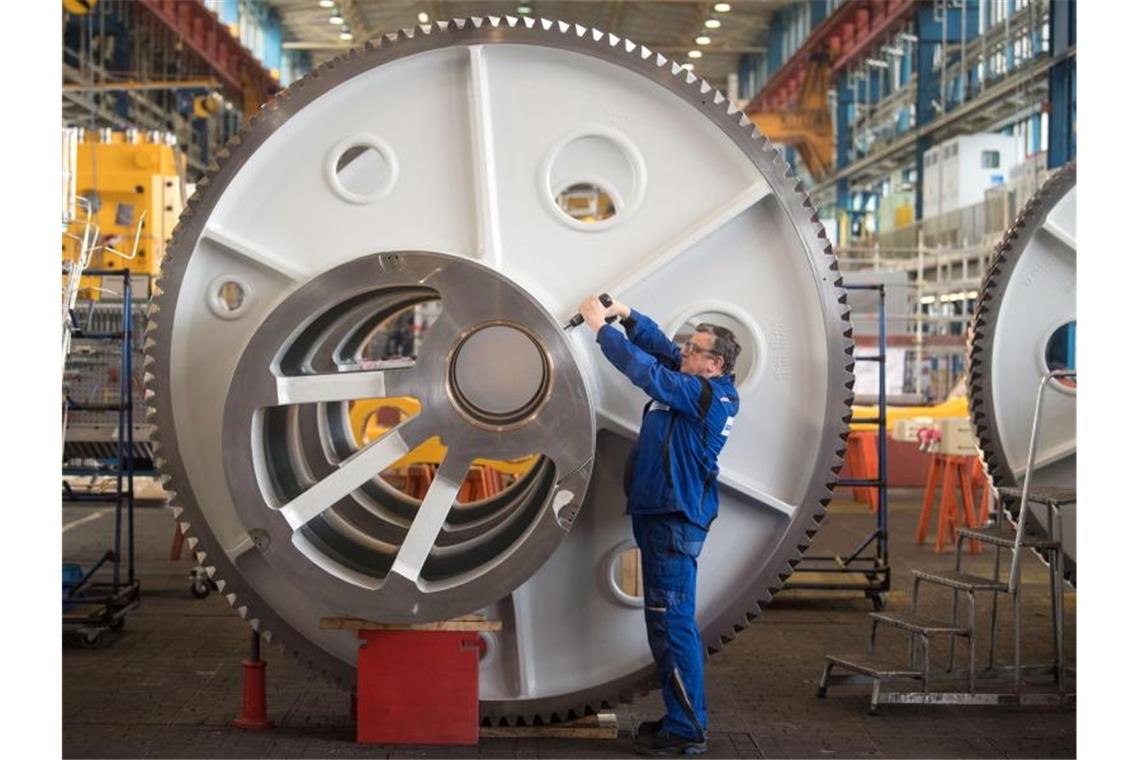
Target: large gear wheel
288,258
1027,296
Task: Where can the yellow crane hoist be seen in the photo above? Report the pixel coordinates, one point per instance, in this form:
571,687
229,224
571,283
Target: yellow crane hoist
134,188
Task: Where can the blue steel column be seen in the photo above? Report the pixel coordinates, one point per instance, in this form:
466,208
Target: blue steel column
775,43
271,42
817,11
228,13
1062,82
776,59
843,105
926,90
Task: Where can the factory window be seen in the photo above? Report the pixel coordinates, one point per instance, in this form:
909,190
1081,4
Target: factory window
991,159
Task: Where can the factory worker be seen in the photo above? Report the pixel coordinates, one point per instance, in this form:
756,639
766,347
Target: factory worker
671,495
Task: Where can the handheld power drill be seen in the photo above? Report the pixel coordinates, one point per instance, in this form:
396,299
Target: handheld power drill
578,319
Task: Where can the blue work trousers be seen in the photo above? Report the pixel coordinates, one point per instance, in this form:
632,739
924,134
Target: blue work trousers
670,545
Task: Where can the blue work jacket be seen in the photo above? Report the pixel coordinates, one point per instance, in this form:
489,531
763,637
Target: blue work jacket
684,426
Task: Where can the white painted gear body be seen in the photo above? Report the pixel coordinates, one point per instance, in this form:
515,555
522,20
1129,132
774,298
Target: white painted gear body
479,124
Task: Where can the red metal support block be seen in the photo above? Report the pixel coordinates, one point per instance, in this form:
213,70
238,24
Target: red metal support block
897,13
201,30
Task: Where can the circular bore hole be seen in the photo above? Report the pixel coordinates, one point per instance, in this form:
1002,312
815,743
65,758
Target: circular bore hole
745,360
231,295
586,202
1061,352
499,375
362,170
593,177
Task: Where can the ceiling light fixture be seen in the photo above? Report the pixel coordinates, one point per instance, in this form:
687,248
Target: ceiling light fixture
722,7
713,23
703,40
423,17
326,3
695,54
345,35
523,10
337,20
687,66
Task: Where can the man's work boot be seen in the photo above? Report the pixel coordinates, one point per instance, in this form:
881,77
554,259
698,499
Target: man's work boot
665,743
650,727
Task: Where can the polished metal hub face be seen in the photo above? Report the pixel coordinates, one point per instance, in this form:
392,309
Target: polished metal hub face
436,165
1027,295
322,504
499,375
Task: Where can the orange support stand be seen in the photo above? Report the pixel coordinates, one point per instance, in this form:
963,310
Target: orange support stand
863,459
956,475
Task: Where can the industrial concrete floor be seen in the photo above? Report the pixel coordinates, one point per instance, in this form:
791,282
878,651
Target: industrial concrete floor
168,684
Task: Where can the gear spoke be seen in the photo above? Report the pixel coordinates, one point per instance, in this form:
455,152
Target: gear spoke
251,251
483,152
1060,235
376,457
430,516
340,386
692,235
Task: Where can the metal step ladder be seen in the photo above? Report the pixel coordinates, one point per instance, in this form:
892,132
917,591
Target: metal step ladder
921,628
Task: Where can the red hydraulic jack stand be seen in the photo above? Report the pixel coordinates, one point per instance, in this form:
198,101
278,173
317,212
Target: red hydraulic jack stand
417,684
253,717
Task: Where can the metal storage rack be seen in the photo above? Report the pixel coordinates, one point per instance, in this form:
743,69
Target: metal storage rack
92,606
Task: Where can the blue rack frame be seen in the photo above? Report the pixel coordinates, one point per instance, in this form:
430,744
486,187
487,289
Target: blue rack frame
875,569
89,606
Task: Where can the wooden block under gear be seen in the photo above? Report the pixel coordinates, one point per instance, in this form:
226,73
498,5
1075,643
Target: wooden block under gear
467,623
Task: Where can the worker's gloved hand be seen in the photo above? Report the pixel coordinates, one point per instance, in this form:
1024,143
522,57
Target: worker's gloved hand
593,312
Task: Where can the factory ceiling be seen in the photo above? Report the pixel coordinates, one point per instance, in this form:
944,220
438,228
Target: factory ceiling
671,27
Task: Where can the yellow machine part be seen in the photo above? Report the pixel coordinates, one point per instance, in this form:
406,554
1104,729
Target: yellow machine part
365,420
127,179
79,7
807,125
953,407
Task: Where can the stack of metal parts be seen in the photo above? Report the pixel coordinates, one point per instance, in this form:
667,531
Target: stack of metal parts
91,376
